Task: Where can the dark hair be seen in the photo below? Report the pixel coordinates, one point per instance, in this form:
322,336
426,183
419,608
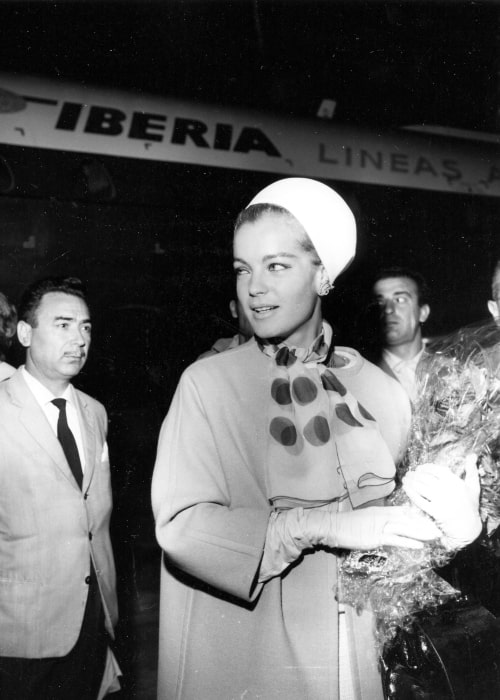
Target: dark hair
256,211
32,297
423,292
8,322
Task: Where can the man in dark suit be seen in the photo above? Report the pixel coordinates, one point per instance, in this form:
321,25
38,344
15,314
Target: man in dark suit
57,577
401,296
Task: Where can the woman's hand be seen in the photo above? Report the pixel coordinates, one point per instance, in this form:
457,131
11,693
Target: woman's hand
452,502
369,528
291,532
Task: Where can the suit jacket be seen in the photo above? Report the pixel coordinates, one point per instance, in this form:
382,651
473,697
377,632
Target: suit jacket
49,528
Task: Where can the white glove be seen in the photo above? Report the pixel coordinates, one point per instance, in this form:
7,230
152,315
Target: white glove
368,528
290,532
452,502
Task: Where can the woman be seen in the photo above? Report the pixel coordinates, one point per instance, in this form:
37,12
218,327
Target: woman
8,322
273,458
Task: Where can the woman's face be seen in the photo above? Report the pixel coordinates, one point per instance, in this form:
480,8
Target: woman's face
277,281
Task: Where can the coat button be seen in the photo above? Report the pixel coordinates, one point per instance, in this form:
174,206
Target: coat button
87,580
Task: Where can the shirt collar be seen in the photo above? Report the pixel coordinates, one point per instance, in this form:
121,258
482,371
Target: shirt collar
41,393
396,362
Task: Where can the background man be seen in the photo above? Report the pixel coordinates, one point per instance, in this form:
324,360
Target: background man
401,296
8,323
57,576
494,302
244,332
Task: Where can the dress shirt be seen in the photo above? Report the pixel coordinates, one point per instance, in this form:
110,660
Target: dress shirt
44,397
405,371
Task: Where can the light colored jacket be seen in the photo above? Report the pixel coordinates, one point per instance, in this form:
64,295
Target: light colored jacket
49,529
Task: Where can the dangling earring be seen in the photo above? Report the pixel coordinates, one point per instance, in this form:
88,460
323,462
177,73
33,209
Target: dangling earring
325,288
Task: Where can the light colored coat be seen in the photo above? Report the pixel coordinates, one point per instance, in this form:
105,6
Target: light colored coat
223,635
49,529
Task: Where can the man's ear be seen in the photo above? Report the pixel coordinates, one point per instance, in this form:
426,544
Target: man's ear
493,308
24,331
425,310
233,308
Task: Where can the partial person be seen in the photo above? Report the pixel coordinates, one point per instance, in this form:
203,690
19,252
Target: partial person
401,296
494,302
493,352
244,332
274,458
483,555
8,322
57,576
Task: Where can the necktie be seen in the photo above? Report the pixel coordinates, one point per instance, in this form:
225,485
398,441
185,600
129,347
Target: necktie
68,442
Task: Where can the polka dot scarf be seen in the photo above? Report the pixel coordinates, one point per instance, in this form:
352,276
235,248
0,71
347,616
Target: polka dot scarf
323,444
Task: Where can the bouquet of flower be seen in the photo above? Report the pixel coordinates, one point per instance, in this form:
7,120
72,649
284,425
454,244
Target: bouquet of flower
457,413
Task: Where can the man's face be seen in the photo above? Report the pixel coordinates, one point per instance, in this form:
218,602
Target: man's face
494,304
400,313
57,346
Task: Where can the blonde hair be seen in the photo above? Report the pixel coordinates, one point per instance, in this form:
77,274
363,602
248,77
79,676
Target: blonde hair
256,211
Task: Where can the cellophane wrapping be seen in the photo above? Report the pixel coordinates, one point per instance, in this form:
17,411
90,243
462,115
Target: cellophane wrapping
457,413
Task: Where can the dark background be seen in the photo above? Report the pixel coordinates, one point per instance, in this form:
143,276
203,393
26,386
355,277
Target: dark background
385,63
